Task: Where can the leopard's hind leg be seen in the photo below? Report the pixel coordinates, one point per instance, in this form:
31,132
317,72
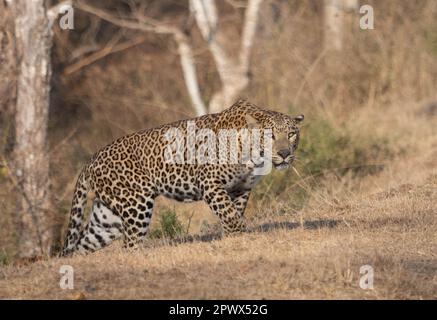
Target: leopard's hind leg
103,227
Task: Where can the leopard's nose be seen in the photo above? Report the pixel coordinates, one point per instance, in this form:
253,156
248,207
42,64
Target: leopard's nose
284,153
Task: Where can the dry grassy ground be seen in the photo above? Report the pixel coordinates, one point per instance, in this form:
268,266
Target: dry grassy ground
391,224
395,233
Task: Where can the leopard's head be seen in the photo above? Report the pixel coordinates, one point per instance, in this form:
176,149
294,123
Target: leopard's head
284,133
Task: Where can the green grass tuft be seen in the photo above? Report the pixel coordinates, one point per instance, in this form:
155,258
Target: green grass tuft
169,226
4,258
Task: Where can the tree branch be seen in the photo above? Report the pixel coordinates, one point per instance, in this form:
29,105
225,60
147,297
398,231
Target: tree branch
249,30
147,24
109,49
233,72
190,74
185,51
206,16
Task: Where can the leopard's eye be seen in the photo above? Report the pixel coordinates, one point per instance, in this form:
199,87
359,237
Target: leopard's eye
292,136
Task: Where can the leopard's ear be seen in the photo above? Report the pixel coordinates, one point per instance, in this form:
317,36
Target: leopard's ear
241,101
252,123
299,118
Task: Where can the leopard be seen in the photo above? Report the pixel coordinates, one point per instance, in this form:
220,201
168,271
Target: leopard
126,176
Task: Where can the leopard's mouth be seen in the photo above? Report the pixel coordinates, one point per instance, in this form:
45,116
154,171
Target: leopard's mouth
283,165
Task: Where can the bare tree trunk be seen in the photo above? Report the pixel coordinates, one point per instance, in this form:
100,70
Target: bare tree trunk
189,71
334,21
351,5
333,24
8,66
233,72
34,40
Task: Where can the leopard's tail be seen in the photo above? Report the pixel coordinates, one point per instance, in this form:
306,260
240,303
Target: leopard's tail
77,214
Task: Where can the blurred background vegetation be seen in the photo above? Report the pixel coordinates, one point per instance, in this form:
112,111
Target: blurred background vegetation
348,96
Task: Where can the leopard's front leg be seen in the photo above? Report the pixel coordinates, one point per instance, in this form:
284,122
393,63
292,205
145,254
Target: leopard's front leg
222,205
240,201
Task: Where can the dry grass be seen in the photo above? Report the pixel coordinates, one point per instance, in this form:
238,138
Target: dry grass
394,234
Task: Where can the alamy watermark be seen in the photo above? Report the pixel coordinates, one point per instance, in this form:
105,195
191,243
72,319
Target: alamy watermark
66,13
367,21
67,277
66,21
228,146
66,281
366,280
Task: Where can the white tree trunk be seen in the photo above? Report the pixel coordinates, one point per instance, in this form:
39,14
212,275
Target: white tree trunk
351,5
333,24
233,72
188,65
334,12
34,40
